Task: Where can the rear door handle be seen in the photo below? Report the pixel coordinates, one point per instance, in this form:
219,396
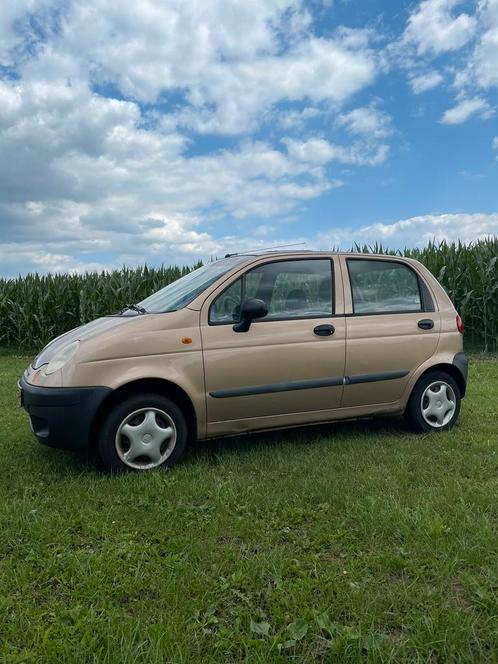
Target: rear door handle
324,330
426,324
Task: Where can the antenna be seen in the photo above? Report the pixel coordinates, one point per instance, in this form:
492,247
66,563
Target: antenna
280,246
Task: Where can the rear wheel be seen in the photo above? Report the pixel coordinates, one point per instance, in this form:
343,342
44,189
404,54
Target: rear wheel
144,432
434,404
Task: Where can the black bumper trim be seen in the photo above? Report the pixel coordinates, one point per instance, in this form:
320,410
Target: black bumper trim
461,362
62,416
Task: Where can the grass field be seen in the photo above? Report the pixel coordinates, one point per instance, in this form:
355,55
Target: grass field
347,543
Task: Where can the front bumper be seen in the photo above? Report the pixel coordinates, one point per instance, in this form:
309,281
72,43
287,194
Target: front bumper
62,416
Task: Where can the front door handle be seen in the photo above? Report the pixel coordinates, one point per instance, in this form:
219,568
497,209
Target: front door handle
324,330
426,324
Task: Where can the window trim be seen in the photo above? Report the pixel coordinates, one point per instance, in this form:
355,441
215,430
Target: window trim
426,301
330,259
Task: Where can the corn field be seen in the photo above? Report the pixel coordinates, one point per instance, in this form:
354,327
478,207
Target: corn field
34,309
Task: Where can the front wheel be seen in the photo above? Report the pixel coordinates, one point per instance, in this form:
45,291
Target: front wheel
434,404
143,432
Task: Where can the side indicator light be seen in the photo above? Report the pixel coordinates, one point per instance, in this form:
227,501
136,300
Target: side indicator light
460,325
186,340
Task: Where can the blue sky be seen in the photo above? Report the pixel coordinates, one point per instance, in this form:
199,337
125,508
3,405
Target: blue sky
165,132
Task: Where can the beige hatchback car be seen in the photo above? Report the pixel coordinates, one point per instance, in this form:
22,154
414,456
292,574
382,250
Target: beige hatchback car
248,343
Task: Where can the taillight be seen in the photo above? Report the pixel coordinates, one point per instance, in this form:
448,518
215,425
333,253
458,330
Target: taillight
460,326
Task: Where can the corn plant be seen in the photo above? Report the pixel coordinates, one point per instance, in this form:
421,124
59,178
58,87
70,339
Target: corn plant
34,308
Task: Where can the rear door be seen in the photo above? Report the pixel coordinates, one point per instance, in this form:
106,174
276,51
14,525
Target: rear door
392,328
287,363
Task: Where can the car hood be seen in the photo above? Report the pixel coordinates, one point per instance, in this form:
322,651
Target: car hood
81,333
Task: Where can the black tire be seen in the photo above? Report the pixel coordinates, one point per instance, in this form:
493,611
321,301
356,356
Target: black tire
413,412
107,440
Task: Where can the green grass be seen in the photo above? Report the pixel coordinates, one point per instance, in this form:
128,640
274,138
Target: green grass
346,543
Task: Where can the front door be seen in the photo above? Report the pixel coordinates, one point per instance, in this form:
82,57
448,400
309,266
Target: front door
391,328
288,367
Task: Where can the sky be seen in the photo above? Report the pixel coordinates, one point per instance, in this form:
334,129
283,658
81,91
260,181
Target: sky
167,131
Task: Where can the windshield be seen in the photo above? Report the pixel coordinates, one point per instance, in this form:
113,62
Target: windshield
181,292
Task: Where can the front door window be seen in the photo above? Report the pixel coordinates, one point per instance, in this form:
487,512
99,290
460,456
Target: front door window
290,289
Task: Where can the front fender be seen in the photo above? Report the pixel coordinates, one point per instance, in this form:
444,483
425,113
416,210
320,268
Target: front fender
184,369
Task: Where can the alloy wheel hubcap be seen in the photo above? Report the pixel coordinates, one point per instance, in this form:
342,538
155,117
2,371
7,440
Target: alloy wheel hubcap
438,404
145,438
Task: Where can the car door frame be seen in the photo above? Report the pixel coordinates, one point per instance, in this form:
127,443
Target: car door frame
337,315
369,382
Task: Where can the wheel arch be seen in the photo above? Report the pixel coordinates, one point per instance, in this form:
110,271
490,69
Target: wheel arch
160,386
450,369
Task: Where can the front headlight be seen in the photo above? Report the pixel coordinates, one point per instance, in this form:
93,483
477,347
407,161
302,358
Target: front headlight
62,358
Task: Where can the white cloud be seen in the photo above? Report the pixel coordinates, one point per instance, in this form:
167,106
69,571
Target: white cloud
314,151
97,127
319,151
80,175
464,109
36,258
485,61
433,28
226,69
481,69
423,82
181,248
101,158
230,66
296,119
316,70
417,231
367,121
441,26
495,142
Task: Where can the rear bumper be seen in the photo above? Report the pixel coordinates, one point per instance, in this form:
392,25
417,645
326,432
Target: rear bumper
62,416
461,362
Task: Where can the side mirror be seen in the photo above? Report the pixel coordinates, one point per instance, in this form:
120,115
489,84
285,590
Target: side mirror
251,309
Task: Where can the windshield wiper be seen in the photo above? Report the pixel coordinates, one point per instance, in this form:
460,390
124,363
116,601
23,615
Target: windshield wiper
136,307
133,307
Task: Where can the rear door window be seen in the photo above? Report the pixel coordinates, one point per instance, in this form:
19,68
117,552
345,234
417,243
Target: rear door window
379,286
